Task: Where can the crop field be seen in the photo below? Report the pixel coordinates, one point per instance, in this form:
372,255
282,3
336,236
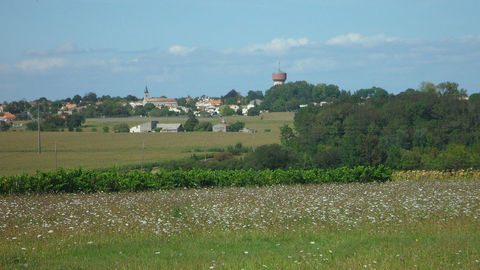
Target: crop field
393,225
88,149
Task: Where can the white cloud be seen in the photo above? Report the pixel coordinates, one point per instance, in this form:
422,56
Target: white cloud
67,48
181,50
358,39
470,39
40,64
313,65
277,45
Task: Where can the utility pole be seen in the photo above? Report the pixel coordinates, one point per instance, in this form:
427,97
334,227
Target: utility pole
143,153
56,159
38,125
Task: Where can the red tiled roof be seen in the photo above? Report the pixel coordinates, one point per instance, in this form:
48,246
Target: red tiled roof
8,115
162,99
213,102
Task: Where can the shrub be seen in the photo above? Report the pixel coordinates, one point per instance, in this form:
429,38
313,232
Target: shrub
80,180
237,126
122,127
222,156
106,129
272,156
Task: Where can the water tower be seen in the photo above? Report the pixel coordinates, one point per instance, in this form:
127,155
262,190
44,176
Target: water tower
279,77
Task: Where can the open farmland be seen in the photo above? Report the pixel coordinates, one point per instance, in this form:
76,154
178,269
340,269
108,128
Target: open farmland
394,225
18,150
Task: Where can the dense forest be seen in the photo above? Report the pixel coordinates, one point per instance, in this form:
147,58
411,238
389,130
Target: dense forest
435,127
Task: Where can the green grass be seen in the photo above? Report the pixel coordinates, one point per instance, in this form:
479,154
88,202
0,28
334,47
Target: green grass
425,245
18,150
394,225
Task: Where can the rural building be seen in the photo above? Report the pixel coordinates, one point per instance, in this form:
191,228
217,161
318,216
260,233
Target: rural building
7,117
158,102
170,127
222,127
254,102
247,130
145,127
152,125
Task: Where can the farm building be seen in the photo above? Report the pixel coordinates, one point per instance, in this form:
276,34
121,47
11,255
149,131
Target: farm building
152,125
7,117
222,127
145,127
247,130
170,127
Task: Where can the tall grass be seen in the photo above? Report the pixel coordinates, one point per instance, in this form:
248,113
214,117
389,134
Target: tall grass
393,225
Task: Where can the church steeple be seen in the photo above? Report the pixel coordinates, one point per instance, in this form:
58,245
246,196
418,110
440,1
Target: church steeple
146,95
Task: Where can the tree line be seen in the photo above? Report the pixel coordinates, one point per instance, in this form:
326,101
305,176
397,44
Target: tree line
434,127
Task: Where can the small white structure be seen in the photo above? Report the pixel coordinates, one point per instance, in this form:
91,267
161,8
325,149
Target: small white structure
222,127
145,127
152,125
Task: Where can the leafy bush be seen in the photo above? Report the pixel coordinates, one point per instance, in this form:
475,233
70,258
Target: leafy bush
113,180
237,126
122,127
272,156
222,156
204,126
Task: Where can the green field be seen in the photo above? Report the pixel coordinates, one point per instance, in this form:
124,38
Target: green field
88,149
394,225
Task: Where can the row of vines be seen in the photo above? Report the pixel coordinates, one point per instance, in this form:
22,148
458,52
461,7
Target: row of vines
114,180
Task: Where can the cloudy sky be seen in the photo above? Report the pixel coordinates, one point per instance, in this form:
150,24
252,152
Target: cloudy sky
59,48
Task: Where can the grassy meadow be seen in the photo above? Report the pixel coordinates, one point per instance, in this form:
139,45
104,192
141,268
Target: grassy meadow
96,149
394,225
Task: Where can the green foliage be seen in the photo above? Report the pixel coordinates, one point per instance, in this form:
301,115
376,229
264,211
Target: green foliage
251,95
226,111
204,126
221,156
414,129
121,127
272,156
231,97
237,126
156,112
56,122
106,129
4,126
80,180
191,122
254,111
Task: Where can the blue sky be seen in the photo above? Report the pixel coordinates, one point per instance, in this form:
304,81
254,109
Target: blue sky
59,48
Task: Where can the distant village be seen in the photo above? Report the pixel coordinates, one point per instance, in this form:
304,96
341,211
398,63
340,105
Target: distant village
203,106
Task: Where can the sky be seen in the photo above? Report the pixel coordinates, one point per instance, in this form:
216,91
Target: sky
60,48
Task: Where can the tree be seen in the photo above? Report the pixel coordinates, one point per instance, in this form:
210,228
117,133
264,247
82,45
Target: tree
287,137
251,95
237,126
226,111
76,99
231,97
204,126
4,126
191,122
272,156
428,87
90,97
254,111
131,98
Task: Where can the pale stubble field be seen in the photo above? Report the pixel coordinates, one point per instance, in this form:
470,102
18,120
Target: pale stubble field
88,149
